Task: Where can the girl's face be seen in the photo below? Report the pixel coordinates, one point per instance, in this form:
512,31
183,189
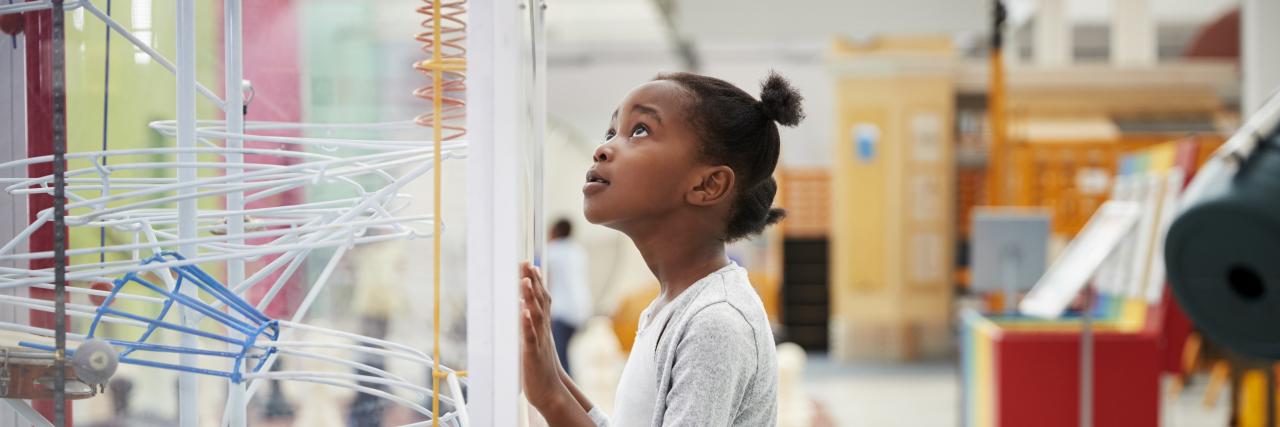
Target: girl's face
648,161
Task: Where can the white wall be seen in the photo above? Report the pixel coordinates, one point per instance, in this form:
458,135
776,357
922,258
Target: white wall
1164,11
1260,52
803,19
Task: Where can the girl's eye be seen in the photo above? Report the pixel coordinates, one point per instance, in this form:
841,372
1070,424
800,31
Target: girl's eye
640,131
609,135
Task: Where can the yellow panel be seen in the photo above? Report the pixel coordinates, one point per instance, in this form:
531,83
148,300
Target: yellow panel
859,218
891,227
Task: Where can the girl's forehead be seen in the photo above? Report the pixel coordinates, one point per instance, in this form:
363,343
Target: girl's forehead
664,95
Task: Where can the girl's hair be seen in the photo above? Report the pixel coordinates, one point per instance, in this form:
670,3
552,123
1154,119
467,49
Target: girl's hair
742,133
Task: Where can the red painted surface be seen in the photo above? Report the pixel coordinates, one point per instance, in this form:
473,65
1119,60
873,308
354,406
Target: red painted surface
271,57
1220,39
1173,336
38,27
1038,379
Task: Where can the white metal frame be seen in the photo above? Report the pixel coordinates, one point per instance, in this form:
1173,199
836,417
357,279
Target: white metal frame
493,337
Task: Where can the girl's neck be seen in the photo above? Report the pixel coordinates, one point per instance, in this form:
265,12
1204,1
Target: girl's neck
679,258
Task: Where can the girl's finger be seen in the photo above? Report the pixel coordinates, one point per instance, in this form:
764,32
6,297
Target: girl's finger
530,332
544,297
528,293
536,314
526,269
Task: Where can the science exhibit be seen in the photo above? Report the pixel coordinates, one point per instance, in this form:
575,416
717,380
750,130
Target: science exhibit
205,251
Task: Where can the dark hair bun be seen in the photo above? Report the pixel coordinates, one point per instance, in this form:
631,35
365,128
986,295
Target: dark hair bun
779,101
775,215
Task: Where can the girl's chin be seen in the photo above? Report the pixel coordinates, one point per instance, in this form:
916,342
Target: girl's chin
595,214
591,215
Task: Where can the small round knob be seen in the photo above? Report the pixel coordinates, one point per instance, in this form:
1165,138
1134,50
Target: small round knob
95,361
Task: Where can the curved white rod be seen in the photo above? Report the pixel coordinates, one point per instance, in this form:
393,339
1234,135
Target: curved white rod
375,392
221,125
460,404
172,150
363,339
353,365
424,157
198,260
393,158
37,331
283,375
47,306
214,238
119,295
352,347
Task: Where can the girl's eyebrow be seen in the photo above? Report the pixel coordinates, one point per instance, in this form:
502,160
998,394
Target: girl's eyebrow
648,111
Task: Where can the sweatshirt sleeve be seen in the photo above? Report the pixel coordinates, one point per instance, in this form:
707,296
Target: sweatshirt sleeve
714,362
598,417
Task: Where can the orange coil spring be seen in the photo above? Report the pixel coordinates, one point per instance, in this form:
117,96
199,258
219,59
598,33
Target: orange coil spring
453,32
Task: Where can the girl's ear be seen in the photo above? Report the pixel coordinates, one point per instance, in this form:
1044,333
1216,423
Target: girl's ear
717,183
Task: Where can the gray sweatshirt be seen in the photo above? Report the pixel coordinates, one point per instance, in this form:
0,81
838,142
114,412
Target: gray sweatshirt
716,361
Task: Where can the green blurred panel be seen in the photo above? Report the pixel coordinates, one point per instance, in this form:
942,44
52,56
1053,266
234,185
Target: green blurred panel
140,91
343,79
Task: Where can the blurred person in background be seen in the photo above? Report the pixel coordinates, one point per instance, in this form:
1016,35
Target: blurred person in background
567,277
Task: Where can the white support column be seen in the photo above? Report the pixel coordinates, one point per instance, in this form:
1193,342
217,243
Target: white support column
493,117
1259,52
13,208
188,383
234,110
1053,43
28,414
1133,34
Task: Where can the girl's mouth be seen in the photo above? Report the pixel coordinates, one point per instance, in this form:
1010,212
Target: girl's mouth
595,182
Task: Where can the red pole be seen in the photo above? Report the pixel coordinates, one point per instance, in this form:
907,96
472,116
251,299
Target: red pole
38,31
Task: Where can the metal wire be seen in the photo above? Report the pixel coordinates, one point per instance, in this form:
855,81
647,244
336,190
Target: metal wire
106,107
59,216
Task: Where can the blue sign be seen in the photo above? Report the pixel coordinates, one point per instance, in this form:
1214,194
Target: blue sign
866,140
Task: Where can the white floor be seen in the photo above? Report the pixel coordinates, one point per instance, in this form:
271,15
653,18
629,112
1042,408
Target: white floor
927,395
914,395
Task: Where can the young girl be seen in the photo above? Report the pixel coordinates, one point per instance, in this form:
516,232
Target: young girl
686,166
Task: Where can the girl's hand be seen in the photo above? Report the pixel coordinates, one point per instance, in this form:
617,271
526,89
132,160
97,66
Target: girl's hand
541,366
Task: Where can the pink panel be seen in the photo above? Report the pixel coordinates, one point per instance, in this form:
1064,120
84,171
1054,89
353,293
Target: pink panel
271,58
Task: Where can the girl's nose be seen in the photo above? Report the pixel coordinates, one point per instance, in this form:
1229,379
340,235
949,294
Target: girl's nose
604,152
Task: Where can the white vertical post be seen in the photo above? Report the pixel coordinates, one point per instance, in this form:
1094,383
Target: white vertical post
493,335
1133,34
537,14
233,47
1259,53
1053,44
188,383
13,208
